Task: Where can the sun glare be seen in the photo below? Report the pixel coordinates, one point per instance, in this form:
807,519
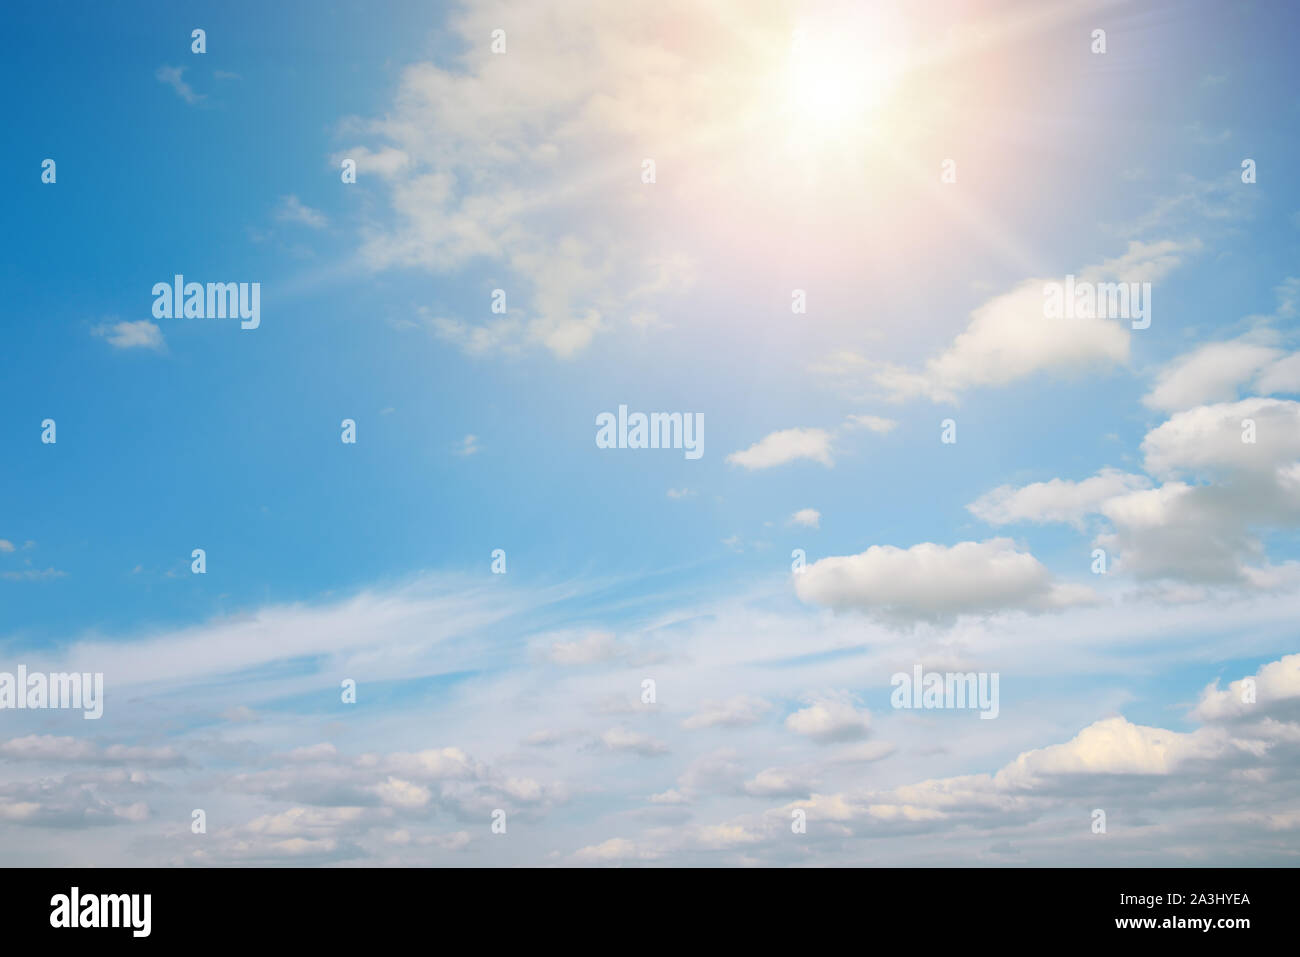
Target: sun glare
833,82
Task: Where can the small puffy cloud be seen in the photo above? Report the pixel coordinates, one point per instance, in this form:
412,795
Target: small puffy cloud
436,764
829,719
936,582
671,796
6,545
131,335
807,517
623,739
680,493
732,713
785,446
395,792
467,446
777,782
1275,683
293,210
1059,500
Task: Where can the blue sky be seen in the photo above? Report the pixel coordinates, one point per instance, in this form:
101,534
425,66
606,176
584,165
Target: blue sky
776,171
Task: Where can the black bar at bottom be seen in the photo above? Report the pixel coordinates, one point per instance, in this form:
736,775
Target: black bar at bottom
638,908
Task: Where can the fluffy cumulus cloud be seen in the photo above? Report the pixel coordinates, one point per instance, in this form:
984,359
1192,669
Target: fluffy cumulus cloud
828,719
1220,477
1011,337
710,773
627,171
1215,372
1058,500
937,582
1211,373
781,448
1275,688
1157,788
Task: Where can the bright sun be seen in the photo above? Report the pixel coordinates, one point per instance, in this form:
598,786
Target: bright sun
833,83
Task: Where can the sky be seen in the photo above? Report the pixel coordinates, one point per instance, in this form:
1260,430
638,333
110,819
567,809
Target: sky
436,621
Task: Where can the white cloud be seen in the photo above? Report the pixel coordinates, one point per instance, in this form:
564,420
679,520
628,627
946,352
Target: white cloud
482,159
623,739
131,335
732,713
807,517
1276,683
1202,526
387,162
872,422
613,850
293,210
592,648
773,782
1208,440
1110,746
671,796
52,749
398,793
1010,338
1210,373
788,445
171,76
1059,500
936,582
830,718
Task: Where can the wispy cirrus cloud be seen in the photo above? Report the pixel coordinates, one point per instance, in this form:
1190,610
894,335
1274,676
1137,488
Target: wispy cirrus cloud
173,76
